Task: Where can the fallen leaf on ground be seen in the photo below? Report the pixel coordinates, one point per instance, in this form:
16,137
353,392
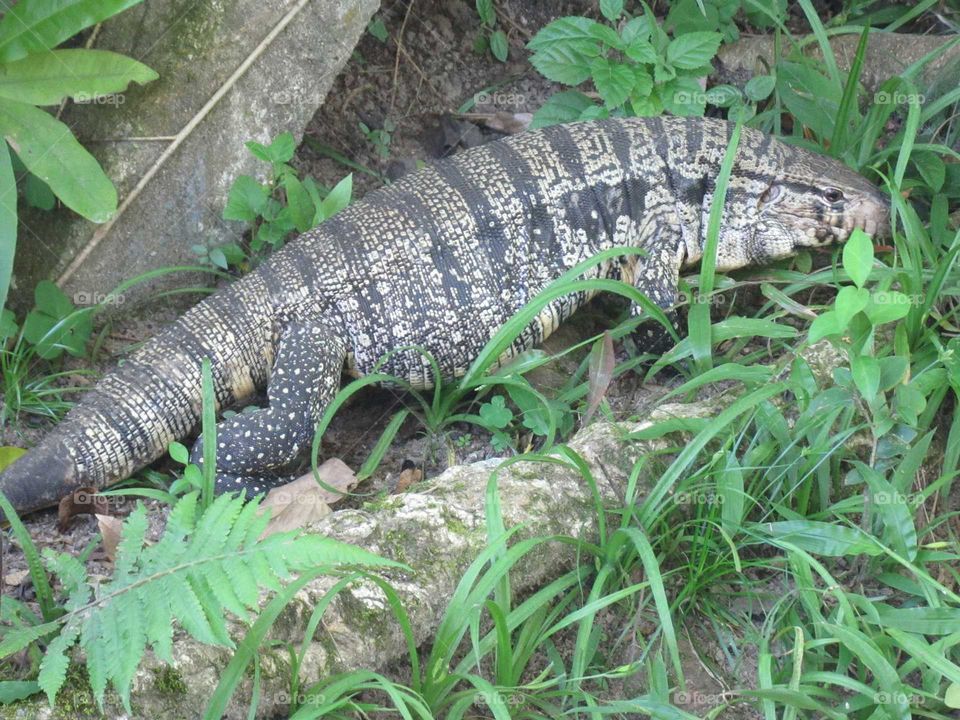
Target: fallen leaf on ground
15,578
110,529
409,474
303,501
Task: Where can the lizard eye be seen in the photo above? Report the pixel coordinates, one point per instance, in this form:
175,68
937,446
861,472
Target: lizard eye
832,195
770,194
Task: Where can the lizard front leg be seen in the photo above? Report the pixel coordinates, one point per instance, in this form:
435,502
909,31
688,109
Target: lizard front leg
656,274
255,449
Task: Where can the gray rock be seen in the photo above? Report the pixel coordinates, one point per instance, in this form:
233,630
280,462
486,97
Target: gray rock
888,54
230,71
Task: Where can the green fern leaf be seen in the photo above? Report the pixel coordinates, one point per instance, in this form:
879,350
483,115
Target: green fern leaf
17,639
96,660
203,567
159,629
131,541
53,667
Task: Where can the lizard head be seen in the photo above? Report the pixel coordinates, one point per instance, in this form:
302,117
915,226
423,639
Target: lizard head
816,201
813,201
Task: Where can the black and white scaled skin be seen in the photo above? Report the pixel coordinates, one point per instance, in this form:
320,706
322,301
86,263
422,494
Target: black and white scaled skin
441,260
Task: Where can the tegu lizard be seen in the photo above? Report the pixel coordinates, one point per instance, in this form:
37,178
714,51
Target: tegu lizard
442,259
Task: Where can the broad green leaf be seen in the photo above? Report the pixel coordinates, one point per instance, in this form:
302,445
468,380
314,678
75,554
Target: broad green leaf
893,370
279,151
932,169
759,87
858,257
887,306
822,538
611,9
378,29
649,105
693,50
299,202
8,224
562,64
683,96
723,95
641,51
486,12
499,46
765,13
811,97
866,375
246,199
84,75
54,326
573,32
179,453
642,85
850,300
33,26
561,107
8,325
495,413
37,193
336,200
613,80
952,697
826,324
50,151
634,29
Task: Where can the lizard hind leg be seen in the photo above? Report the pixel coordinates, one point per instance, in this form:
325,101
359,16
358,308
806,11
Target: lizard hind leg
255,450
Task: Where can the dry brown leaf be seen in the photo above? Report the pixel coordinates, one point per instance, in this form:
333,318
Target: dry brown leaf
110,529
303,501
409,474
602,365
16,578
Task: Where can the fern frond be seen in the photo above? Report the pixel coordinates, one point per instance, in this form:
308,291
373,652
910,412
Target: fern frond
202,568
53,667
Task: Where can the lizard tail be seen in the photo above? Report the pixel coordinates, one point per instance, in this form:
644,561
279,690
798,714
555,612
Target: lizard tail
153,398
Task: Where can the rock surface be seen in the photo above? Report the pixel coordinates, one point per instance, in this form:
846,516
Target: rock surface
230,71
888,54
